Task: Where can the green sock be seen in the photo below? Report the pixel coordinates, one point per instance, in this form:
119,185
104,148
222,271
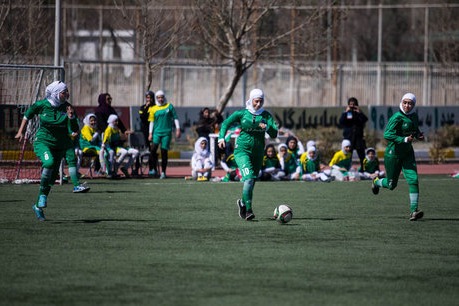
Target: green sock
414,197
247,193
414,201
74,176
383,183
45,187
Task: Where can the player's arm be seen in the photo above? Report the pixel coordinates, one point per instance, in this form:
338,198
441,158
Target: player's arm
151,119
235,117
272,128
390,133
20,132
30,113
178,132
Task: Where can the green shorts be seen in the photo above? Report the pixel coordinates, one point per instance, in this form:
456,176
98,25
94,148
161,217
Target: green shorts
163,140
51,158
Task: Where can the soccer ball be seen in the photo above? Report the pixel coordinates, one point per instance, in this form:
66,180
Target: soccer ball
283,213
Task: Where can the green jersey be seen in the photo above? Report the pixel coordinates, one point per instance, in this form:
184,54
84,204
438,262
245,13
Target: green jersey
271,162
370,166
162,116
309,165
251,137
399,127
55,126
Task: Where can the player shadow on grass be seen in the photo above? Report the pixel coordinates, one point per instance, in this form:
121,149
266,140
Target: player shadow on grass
320,219
90,221
113,191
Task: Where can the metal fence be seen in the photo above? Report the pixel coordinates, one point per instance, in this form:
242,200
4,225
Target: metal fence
313,85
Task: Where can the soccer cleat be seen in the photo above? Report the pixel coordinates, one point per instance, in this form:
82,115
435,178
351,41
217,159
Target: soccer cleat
416,215
38,213
42,201
374,187
125,171
152,173
249,216
163,176
241,208
80,189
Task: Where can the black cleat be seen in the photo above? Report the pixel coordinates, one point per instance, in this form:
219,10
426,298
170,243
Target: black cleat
242,209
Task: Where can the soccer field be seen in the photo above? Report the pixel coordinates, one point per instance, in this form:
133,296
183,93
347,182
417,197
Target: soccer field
177,242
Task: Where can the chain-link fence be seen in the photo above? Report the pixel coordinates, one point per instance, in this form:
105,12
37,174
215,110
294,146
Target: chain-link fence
315,85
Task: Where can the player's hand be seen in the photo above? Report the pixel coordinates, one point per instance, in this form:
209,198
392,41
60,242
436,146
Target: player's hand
19,136
178,133
262,125
421,136
150,137
221,144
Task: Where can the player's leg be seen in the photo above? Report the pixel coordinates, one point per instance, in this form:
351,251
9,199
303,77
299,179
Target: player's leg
165,146
121,153
46,156
71,161
79,157
411,175
153,159
133,154
393,166
47,159
245,165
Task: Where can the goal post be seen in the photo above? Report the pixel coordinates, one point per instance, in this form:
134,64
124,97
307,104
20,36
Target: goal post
20,87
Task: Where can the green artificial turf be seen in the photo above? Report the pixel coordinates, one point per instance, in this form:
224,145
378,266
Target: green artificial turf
177,242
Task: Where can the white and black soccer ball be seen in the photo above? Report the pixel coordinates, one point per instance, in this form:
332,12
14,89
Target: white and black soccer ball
283,213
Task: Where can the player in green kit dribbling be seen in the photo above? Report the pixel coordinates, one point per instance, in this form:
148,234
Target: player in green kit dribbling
52,141
249,150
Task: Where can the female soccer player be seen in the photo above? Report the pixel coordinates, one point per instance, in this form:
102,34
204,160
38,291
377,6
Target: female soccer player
161,116
52,141
401,130
249,151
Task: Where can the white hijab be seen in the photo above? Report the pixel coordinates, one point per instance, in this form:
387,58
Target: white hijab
312,149
310,143
254,94
282,145
197,147
52,92
87,119
160,93
408,96
111,120
345,143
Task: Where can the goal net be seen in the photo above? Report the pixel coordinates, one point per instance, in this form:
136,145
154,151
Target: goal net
20,87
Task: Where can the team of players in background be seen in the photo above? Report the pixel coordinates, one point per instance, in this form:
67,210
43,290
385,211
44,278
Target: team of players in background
251,159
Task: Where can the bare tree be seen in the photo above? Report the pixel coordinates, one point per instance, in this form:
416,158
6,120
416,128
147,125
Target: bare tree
27,30
242,32
160,30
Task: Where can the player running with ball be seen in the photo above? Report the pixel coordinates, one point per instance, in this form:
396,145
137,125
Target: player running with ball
401,130
249,150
